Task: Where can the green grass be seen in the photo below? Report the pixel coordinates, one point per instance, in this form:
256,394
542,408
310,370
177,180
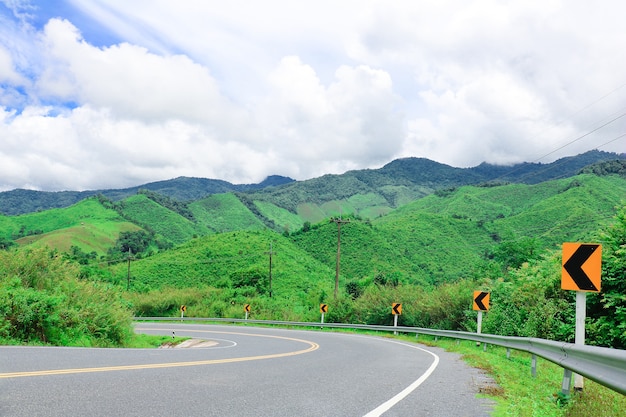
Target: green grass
146,341
522,395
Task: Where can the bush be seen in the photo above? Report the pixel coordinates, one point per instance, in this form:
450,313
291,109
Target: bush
43,301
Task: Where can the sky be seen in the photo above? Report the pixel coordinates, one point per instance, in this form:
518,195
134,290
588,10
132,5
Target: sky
99,94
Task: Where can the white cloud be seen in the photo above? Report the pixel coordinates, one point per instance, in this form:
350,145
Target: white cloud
241,90
354,120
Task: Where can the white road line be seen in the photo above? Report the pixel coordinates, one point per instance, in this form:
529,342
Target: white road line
378,411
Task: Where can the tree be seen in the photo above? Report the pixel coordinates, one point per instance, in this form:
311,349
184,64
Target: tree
134,242
606,311
513,254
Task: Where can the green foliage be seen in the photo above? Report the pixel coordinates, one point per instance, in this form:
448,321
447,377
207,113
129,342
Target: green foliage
166,224
6,243
169,203
530,302
606,311
279,216
42,301
224,213
87,225
429,254
215,259
77,255
133,242
513,254
617,166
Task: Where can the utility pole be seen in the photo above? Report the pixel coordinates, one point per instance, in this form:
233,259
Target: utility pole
128,275
270,253
339,221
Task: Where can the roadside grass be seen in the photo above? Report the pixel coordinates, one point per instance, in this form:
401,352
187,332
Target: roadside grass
523,395
146,341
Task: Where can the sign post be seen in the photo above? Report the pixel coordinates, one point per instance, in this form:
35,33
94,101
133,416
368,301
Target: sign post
480,304
323,310
396,310
581,272
246,309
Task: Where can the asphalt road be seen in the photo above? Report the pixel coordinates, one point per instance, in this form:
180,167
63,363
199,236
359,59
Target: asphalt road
246,371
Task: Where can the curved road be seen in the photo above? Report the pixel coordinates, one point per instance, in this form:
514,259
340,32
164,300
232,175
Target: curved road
243,371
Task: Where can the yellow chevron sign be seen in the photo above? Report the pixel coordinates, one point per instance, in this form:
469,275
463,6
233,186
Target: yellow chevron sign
396,309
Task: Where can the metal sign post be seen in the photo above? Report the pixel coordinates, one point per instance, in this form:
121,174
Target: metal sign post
323,310
579,339
581,272
396,310
480,304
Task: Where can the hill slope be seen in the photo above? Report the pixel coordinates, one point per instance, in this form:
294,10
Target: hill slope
87,225
451,235
234,259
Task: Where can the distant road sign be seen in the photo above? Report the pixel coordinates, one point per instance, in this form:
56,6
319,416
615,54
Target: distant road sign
396,309
246,308
582,267
481,301
323,308
183,308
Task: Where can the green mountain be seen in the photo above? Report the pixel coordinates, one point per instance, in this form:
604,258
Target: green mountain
370,192
218,253
440,238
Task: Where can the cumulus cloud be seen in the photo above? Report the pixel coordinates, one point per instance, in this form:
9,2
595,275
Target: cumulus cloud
116,94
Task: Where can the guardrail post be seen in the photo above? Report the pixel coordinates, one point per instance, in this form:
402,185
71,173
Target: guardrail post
484,347
533,365
567,381
508,353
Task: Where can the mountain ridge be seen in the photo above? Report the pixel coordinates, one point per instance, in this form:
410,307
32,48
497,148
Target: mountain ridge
398,181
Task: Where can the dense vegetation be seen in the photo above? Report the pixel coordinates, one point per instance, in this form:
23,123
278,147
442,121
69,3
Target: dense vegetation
213,254
42,300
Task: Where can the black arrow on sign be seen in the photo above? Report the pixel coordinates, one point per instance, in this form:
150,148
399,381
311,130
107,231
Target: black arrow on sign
574,267
479,300
396,308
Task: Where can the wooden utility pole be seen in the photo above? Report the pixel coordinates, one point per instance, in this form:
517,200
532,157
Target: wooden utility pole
128,275
270,253
339,221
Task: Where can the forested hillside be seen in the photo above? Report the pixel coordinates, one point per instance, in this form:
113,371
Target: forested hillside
225,250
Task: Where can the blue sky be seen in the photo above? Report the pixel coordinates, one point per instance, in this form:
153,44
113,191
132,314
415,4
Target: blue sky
115,93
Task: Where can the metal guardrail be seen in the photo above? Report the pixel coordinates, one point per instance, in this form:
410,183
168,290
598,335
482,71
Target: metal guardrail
605,366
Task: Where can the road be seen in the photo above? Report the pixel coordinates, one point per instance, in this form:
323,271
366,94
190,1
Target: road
243,371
